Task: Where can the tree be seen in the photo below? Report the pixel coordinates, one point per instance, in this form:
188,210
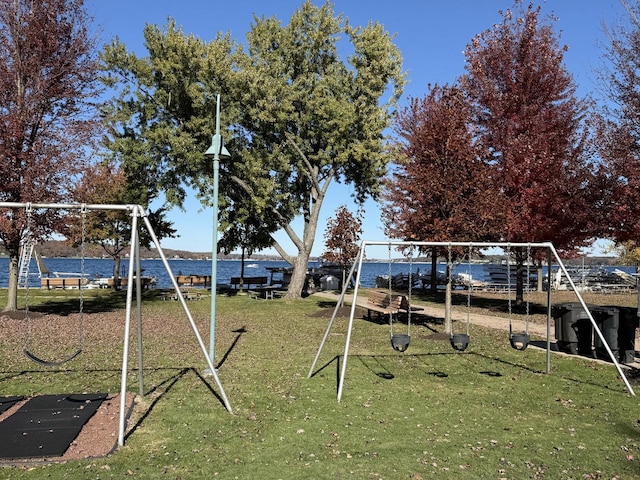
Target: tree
438,189
312,118
298,117
107,183
108,228
534,126
619,129
438,192
47,84
342,239
163,110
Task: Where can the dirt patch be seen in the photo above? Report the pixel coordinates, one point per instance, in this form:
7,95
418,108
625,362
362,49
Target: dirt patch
98,437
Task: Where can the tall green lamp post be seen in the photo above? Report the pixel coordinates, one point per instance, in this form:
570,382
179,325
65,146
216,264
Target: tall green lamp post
217,152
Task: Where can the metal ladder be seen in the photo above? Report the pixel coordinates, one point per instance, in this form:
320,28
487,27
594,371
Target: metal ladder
25,261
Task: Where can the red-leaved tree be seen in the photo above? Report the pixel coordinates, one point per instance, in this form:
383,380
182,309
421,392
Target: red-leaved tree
342,238
619,129
531,121
438,190
47,81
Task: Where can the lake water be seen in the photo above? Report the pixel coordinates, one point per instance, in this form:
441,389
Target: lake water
228,268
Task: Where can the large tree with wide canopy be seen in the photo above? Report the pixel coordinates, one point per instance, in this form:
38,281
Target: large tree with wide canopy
297,116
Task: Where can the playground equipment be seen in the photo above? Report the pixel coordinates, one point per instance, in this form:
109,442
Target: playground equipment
552,254
136,212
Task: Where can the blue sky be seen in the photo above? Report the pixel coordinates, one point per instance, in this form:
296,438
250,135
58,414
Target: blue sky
431,36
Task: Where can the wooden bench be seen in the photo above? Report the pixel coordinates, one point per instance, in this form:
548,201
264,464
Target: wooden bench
381,303
61,282
193,280
248,282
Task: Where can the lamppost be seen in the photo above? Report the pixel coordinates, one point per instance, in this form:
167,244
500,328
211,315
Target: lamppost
218,152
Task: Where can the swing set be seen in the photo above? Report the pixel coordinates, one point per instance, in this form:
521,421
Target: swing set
459,341
136,212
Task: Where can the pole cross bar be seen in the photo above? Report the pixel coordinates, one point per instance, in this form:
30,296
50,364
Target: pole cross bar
366,243
74,206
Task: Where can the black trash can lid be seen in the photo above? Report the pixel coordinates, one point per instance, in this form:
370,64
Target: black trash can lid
572,306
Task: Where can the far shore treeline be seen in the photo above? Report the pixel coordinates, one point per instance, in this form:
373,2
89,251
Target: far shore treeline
60,249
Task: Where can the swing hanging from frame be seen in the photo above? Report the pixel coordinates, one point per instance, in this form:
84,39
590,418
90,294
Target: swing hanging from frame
27,344
400,341
460,341
519,340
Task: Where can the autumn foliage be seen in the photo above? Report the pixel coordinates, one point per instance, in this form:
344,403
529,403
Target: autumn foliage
342,237
47,83
532,124
438,190
502,156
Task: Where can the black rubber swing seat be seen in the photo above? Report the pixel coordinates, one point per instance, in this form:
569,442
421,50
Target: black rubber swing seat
519,341
49,363
400,343
459,341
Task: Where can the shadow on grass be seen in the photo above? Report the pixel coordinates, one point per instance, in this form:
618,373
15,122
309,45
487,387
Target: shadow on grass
164,387
12,375
240,331
377,365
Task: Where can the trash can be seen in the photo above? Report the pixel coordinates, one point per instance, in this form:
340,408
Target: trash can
573,330
627,333
329,282
608,321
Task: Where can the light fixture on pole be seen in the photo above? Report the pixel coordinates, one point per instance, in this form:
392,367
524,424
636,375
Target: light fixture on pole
218,152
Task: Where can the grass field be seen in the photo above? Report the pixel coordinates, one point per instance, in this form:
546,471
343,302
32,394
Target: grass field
489,412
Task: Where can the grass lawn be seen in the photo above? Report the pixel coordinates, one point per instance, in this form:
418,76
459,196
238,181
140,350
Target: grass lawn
489,412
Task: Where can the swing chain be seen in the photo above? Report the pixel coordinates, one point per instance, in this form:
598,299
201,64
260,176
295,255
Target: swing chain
469,288
508,256
26,240
389,287
409,300
529,259
83,213
26,348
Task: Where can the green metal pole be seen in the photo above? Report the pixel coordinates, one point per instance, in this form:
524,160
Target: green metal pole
214,243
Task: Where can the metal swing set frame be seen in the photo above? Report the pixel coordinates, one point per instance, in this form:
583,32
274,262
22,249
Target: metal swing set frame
136,212
356,270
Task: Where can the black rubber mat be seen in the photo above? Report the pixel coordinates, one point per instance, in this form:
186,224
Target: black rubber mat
46,425
7,402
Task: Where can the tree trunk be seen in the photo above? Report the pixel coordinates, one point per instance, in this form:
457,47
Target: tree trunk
241,284
12,293
299,276
116,272
434,271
